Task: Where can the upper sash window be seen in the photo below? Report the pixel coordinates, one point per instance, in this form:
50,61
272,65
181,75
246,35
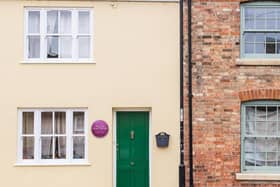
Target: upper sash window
58,35
260,30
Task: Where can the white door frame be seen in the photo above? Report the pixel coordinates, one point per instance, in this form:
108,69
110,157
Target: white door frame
115,140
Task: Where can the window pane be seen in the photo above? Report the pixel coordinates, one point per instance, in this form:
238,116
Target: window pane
60,122
260,159
260,145
271,163
249,159
249,37
271,24
250,145
250,113
260,48
250,127
260,128
271,128
47,126
271,156
78,122
249,48
271,144
46,148
260,13
34,22
260,37
28,148
250,12
52,21
249,24
272,113
271,13
66,47
84,22
84,47
260,24
261,113
28,123
65,22
33,46
60,147
78,147
52,46
270,48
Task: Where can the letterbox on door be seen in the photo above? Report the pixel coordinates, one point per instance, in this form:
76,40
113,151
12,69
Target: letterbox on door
162,139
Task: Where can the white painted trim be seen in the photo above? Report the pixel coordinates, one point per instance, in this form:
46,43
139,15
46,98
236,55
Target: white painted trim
140,109
37,137
258,62
258,176
57,62
52,164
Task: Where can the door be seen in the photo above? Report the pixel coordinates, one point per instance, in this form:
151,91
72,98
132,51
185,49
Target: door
132,149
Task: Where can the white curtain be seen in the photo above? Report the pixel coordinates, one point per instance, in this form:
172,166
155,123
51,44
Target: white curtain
33,46
34,22
60,129
52,28
28,129
54,140
259,150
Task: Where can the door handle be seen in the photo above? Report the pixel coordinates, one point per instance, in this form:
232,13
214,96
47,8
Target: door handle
132,135
132,163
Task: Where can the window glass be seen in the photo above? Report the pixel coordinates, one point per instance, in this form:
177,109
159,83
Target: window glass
65,22
34,46
84,47
28,148
47,134
28,123
260,30
34,22
52,21
84,22
261,135
78,147
65,35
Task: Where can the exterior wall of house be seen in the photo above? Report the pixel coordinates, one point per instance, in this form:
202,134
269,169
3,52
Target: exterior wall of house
219,87
136,52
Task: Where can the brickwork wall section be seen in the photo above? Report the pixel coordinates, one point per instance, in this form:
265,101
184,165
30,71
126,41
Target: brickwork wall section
219,87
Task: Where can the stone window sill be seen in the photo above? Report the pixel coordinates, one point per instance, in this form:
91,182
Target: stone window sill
258,176
258,62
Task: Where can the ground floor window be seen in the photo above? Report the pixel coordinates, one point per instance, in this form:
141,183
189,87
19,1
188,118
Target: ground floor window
57,135
260,136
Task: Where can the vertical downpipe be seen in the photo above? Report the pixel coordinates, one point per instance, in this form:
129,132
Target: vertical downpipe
190,94
182,174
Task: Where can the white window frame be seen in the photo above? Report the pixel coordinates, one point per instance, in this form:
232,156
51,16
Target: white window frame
37,138
43,35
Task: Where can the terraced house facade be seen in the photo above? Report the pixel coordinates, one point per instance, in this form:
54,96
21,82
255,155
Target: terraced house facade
85,87
236,79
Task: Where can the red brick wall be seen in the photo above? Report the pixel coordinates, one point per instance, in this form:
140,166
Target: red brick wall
219,87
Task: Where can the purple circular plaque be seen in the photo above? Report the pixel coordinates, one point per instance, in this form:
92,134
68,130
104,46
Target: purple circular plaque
99,128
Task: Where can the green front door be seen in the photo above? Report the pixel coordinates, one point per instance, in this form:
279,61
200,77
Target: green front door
132,149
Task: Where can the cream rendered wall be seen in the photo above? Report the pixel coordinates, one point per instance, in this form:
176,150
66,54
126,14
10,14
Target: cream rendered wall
136,65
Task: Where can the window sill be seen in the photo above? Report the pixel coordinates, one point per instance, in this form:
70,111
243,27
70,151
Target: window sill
258,176
57,62
51,164
258,62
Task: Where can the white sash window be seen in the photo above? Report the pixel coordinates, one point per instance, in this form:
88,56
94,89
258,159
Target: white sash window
52,136
58,35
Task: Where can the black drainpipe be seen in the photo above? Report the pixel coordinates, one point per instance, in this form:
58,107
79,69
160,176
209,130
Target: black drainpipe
182,146
190,94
